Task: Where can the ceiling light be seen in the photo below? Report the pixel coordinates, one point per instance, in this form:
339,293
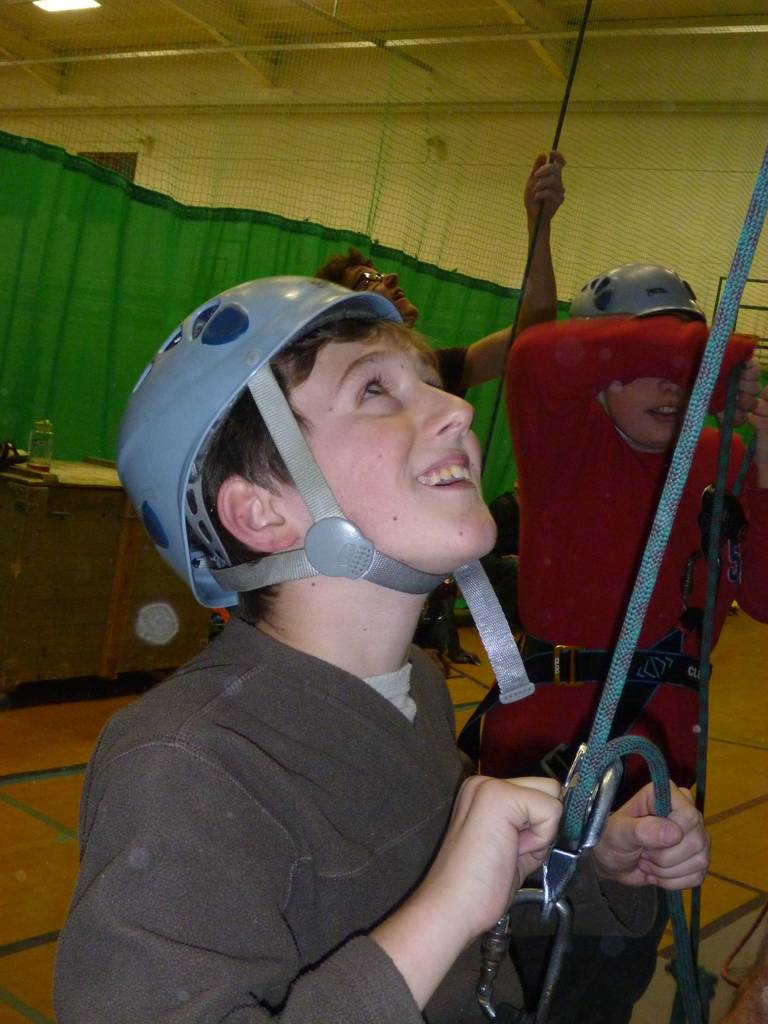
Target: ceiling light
65,5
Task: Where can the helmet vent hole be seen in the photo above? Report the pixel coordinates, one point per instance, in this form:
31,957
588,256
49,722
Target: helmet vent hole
204,531
599,285
603,300
192,502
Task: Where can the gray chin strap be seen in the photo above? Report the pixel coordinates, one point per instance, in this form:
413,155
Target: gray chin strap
335,547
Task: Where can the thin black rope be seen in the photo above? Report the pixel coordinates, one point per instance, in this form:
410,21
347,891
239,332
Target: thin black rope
537,225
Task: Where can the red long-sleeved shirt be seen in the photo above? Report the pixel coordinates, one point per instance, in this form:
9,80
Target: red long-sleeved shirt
587,501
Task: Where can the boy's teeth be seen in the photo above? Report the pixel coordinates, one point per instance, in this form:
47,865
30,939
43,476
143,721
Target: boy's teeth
443,475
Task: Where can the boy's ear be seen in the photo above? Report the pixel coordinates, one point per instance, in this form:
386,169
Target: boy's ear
259,518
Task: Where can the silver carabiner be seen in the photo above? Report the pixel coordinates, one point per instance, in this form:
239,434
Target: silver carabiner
560,866
496,947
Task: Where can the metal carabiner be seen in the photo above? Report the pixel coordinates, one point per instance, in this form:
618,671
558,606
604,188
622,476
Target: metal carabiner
560,866
496,947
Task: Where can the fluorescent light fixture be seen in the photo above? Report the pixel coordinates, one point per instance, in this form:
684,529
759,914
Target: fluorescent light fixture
65,5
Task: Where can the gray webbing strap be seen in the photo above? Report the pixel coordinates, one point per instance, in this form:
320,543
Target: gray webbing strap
294,565
495,633
290,442
394,575
268,571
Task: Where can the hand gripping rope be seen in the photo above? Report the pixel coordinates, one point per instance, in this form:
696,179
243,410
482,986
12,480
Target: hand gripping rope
584,801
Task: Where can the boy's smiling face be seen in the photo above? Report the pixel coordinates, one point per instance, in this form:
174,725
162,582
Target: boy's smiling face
397,452
648,411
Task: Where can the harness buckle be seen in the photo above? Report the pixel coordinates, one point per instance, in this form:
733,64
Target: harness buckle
559,651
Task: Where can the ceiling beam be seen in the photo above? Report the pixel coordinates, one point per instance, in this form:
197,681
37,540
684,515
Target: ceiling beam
360,37
531,14
45,67
758,25
405,108
227,30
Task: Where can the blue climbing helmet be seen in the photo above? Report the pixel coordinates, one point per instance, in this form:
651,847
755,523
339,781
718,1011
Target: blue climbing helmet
636,289
222,349
218,353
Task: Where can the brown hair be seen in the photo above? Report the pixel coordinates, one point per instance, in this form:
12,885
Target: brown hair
242,445
333,269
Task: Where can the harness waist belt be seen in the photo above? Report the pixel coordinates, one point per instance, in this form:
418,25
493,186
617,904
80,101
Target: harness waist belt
565,665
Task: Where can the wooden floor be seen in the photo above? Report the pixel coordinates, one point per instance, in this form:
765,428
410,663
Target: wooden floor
44,745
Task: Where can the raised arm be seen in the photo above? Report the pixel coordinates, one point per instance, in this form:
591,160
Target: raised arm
544,193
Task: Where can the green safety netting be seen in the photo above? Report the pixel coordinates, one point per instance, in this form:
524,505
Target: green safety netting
95,272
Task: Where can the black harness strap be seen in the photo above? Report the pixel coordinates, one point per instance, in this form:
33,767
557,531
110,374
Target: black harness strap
553,664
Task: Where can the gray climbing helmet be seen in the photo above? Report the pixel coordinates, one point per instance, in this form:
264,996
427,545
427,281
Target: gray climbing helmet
223,348
220,351
636,289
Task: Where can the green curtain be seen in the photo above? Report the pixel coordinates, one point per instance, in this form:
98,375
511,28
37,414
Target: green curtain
95,272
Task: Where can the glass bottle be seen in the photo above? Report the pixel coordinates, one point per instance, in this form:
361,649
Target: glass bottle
40,446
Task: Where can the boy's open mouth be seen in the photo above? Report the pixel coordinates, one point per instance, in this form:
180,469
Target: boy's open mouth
665,411
444,476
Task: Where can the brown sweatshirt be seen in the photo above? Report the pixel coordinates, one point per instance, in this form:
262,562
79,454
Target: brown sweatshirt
244,825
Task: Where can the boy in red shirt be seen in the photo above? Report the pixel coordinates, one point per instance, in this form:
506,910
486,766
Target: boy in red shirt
595,406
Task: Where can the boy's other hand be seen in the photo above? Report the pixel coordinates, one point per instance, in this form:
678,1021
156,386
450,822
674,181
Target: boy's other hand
544,188
758,414
639,848
748,394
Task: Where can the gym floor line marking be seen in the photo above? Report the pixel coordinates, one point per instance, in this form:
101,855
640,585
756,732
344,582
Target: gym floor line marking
42,773
64,831
731,812
459,673
750,744
23,1008
22,945
720,922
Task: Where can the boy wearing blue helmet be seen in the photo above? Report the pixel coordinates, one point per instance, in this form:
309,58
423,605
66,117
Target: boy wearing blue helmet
280,830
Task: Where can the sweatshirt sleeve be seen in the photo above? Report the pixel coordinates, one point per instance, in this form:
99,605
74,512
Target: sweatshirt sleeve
182,913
